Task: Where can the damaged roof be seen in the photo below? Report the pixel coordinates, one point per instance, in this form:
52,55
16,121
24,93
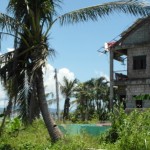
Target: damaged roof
137,24
121,49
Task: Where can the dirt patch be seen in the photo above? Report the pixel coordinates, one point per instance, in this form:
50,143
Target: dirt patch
104,124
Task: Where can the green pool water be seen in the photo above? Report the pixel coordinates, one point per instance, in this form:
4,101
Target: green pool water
91,129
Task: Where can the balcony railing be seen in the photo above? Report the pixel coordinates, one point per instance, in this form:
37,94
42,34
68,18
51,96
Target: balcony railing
120,75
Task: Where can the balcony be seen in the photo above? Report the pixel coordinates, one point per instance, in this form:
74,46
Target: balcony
120,77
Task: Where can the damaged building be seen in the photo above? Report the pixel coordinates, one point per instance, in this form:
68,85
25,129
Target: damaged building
134,47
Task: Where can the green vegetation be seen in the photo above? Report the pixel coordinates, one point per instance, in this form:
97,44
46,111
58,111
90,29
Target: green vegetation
128,132
36,137
67,89
31,137
92,100
30,22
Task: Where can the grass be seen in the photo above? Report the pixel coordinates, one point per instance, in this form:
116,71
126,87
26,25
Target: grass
36,137
31,137
123,135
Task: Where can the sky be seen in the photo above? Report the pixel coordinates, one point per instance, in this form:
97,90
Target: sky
76,45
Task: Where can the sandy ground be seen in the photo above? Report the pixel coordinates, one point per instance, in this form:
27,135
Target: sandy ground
104,124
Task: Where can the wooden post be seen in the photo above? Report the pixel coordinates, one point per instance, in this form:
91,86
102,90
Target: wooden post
111,79
57,95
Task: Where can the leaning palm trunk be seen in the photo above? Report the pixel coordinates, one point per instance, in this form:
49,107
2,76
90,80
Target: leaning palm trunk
34,111
52,128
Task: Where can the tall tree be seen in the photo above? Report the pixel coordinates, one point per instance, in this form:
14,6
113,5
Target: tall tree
29,22
67,90
101,96
84,97
92,98
24,67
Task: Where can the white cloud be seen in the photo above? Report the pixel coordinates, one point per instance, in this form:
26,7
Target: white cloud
10,49
102,74
49,73
64,72
50,83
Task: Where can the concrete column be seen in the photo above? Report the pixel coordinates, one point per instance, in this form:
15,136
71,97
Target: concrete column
111,79
57,96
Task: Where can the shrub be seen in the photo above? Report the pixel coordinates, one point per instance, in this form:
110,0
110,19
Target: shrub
129,132
117,118
134,132
34,136
5,147
13,126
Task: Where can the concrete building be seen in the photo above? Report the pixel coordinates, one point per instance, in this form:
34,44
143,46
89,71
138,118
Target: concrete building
134,47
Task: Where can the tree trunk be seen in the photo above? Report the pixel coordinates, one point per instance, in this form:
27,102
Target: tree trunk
82,109
86,110
66,109
52,128
34,111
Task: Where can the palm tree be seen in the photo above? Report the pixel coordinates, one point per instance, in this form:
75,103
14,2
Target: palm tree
67,90
29,23
101,96
24,66
92,98
84,97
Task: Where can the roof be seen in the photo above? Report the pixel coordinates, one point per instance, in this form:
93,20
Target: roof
137,24
121,49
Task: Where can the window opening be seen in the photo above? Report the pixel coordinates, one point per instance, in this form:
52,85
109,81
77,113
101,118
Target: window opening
138,103
139,62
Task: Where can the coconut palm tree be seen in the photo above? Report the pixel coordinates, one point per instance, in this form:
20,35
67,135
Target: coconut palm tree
101,96
24,66
67,89
29,22
92,98
84,96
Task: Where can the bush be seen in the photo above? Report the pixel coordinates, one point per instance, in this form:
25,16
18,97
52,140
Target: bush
134,132
5,147
34,136
129,132
13,126
117,118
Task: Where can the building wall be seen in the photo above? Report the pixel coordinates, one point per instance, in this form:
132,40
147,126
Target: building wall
138,51
141,35
137,43
132,90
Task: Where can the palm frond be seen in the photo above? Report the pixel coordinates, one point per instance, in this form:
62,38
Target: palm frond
68,87
134,7
22,100
8,23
